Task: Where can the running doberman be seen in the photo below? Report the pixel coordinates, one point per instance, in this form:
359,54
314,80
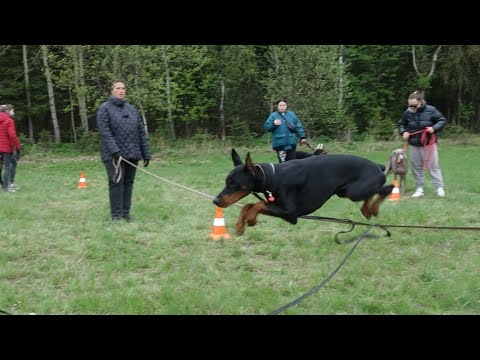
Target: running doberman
299,187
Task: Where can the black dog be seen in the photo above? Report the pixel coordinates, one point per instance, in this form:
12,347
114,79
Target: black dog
299,187
318,151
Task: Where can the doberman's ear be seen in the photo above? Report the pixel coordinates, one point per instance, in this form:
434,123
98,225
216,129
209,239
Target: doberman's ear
249,165
236,158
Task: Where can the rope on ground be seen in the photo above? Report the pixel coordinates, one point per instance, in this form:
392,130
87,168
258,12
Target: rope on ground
348,221
327,279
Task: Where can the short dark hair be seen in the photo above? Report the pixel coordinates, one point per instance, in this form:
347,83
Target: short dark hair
280,100
113,82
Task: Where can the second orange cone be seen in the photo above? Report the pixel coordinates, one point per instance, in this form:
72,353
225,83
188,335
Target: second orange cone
219,230
395,195
83,181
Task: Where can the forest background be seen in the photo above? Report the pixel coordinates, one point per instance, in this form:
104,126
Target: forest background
340,92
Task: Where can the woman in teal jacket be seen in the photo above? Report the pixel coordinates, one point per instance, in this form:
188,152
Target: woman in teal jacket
284,125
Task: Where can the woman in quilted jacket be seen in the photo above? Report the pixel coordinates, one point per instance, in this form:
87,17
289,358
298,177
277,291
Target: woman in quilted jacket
122,136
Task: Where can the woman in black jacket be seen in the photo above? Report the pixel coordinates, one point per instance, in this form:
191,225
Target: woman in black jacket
418,125
122,135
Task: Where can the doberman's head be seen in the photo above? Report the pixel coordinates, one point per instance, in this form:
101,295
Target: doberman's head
239,183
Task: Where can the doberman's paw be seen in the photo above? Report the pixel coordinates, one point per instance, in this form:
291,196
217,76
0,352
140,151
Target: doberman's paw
240,230
374,210
366,213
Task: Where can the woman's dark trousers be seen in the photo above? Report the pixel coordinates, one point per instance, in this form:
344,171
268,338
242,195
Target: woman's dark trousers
121,192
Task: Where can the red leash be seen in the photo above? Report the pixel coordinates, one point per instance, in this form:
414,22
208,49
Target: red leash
428,145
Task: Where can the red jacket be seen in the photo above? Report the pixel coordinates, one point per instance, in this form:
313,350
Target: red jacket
8,135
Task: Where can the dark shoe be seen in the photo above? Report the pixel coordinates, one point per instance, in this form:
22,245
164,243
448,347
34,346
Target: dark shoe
127,218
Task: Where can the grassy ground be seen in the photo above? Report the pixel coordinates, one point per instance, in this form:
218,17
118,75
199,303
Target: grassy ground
61,255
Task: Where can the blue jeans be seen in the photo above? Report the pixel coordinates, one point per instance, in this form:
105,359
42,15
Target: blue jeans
8,166
13,168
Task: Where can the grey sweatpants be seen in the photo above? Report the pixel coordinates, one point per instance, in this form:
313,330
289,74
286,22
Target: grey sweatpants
420,155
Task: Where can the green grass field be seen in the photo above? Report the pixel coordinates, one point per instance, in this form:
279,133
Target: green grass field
61,255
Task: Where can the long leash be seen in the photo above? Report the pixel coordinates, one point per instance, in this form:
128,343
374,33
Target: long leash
172,182
427,145
360,238
343,221
382,226
327,279
313,217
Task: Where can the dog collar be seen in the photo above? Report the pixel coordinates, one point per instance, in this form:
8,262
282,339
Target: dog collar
267,193
273,169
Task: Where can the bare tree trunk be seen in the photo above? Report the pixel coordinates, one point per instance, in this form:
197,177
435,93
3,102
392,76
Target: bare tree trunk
72,117
51,97
76,82
222,109
425,79
82,90
142,111
116,62
341,77
277,70
459,102
169,93
434,61
27,91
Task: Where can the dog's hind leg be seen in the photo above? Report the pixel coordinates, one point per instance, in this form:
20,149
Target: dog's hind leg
365,209
384,192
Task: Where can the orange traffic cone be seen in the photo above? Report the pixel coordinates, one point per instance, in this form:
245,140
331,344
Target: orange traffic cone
83,182
219,230
395,195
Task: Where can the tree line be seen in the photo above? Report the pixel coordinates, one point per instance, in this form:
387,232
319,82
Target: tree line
227,91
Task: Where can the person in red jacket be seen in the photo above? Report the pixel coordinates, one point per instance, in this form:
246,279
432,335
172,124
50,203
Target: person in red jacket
9,142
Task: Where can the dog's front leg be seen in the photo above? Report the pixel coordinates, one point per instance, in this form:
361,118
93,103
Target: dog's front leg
287,214
269,209
251,216
240,225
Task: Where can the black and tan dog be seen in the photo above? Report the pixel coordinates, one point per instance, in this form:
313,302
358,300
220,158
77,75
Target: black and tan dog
318,151
299,187
397,164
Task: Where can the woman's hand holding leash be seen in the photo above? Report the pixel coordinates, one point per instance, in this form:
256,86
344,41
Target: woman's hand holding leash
117,156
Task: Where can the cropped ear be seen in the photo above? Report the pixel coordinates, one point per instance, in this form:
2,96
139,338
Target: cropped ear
236,158
249,165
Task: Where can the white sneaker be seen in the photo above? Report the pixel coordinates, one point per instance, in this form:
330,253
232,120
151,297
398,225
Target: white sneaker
441,192
418,192
12,187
